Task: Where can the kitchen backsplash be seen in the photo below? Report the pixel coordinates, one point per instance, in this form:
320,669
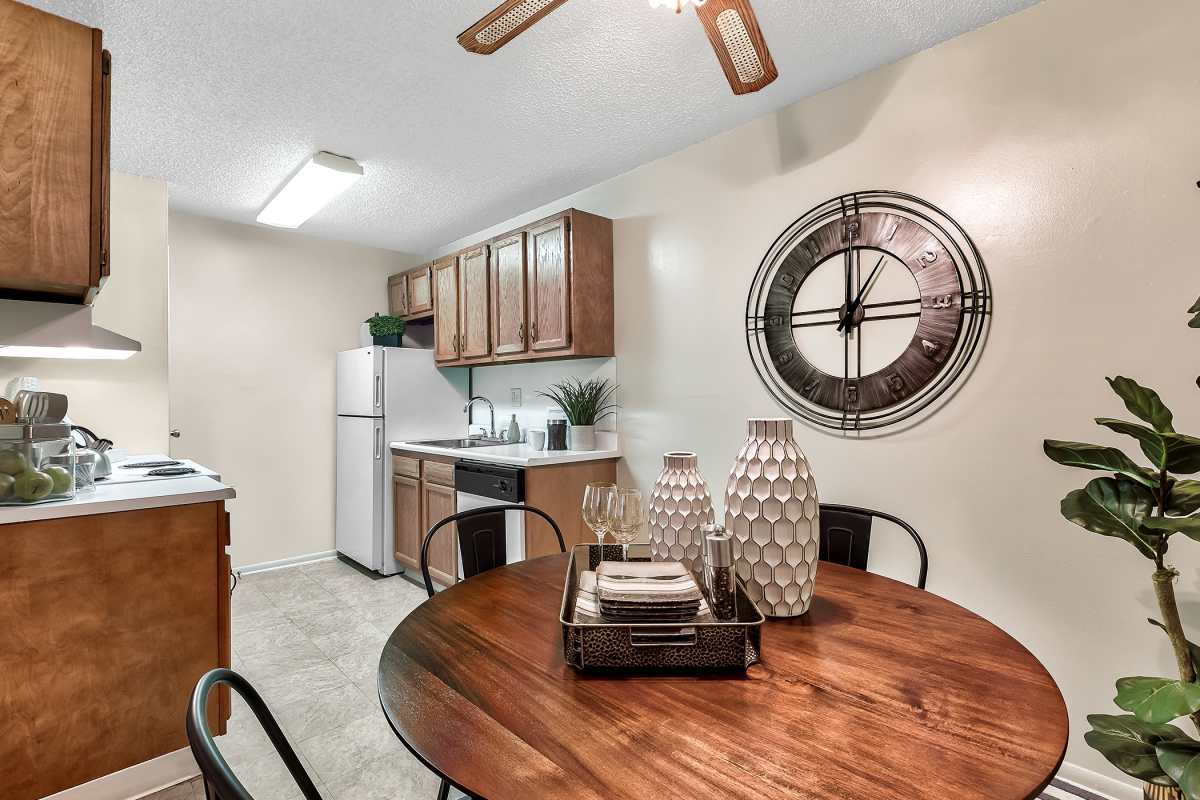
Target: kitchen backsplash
497,382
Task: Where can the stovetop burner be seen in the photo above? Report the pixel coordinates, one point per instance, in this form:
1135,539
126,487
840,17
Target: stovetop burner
167,472
153,464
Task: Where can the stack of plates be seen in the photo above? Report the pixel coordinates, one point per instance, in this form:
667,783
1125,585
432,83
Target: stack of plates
647,592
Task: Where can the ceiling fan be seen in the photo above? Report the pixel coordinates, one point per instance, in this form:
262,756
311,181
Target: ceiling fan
731,26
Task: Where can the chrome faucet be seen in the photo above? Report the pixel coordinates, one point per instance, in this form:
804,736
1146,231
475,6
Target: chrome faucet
491,410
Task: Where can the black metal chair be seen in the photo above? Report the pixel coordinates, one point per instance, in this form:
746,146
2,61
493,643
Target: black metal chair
219,781
482,543
481,539
846,536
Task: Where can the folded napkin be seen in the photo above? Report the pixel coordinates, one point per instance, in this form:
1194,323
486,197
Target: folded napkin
646,584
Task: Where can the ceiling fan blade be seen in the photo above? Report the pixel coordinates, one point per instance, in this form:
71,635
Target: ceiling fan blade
504,23
733,30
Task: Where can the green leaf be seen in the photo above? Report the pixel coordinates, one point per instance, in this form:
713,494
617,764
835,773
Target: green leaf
1188,526
1195,309
1184,498
1128,744
1157,700
1143,403
1193,649
1181,762
1094,456
1195,323
1183,453
1151,441
1113,507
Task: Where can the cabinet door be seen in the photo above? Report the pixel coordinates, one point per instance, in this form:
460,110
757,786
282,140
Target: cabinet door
439,502
445,311
406,513
398,295
474,305
52,183
420,291
508,295
549,290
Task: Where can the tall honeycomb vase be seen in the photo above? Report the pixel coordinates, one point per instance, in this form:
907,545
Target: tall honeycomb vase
679,504
771,510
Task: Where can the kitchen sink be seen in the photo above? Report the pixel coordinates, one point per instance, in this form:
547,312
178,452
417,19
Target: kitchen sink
460,444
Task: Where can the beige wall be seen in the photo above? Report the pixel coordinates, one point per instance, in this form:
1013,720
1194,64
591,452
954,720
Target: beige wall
1063,139
256,318
123,400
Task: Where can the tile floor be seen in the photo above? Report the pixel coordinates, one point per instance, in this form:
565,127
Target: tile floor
309,639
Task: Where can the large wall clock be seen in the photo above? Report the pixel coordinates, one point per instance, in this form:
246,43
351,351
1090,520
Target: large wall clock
867,311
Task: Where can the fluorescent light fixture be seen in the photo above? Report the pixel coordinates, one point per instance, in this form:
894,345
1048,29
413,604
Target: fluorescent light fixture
322,178
57,330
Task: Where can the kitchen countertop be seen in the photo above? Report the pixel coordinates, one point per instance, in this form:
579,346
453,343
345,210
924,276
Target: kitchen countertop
128,495
521,455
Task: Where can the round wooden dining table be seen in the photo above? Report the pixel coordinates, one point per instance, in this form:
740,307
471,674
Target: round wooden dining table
880,691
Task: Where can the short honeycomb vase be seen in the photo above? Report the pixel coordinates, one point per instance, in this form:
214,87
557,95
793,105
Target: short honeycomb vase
771,509
679,504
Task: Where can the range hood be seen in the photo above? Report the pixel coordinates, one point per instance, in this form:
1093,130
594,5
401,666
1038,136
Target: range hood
57,330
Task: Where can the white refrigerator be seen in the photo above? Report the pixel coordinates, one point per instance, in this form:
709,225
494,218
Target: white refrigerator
385,394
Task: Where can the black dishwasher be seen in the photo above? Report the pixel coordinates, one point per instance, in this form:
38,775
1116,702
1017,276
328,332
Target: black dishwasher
492,481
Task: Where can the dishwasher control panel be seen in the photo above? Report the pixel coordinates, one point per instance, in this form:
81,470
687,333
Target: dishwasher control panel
494,481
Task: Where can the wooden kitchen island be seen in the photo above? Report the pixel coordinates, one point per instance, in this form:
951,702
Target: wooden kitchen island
111,608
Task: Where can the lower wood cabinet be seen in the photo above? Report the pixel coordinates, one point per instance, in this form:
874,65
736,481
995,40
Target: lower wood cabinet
422,495
109,620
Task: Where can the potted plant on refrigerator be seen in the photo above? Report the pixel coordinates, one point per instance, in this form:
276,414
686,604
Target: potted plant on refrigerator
585,403
386,331
1148,507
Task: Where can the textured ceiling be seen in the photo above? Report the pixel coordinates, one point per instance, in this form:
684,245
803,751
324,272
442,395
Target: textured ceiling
223,99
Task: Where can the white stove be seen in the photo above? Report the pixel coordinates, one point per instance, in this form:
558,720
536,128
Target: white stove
139,469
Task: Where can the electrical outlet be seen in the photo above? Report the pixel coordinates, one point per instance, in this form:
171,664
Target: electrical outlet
516,397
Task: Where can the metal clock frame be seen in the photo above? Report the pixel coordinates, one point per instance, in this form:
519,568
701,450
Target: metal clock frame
972,328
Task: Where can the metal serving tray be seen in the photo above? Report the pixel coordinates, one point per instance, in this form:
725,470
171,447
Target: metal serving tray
735,644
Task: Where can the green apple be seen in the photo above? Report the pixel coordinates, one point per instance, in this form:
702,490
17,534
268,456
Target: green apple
33,485
12,462
6,485
63,480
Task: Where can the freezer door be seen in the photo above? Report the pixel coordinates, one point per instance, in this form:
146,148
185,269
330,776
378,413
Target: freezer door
358,524
360,382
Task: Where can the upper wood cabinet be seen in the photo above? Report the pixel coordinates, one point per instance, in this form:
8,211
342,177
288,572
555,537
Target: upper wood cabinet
398,295
509,320
474,306
550,294
54,141
445,310
549,286
420,291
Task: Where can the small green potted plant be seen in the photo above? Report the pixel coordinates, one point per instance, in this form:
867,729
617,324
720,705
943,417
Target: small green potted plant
386,331
585,403
1148,507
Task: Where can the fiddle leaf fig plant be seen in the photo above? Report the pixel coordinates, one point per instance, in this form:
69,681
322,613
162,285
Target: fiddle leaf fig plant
1146,506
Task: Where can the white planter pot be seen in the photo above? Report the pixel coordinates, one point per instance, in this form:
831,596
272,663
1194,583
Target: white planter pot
679,504
772,512
581,437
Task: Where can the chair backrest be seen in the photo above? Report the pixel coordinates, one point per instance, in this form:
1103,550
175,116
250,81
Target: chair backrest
846,536
481,538
219,781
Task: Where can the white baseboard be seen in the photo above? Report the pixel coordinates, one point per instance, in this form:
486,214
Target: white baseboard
136,781
285,562
1099,784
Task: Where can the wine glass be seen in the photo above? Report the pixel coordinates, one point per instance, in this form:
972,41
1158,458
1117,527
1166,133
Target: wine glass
625,517
596,499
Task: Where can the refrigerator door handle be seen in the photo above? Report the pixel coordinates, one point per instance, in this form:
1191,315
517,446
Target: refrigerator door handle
378,391
378,443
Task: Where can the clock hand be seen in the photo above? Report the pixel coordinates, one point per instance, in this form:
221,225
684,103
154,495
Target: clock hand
854,305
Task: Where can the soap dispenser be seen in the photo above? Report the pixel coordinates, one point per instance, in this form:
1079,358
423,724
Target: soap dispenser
514,431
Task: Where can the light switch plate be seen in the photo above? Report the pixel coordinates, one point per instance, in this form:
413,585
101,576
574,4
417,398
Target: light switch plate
516,397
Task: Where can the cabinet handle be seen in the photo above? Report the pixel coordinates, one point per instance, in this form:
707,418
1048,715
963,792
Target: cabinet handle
521,331
533,331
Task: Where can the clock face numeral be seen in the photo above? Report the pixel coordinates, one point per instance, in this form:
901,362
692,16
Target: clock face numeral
938,301
860,347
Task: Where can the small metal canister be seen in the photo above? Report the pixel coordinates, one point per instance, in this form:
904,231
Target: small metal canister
718,571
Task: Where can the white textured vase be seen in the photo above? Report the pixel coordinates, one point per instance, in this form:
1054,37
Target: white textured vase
771,510
679,504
